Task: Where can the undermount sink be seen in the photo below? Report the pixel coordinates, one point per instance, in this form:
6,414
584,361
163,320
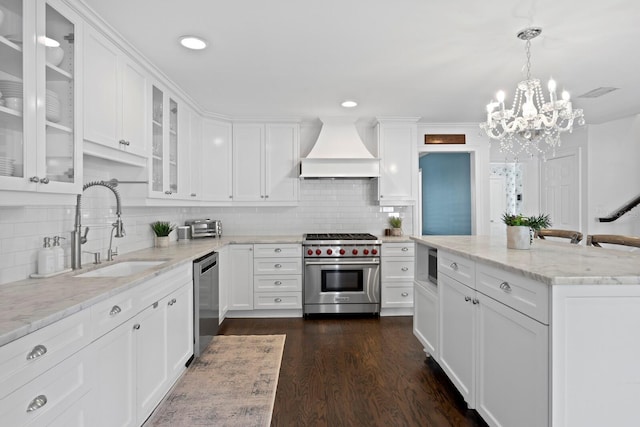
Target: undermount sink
121,269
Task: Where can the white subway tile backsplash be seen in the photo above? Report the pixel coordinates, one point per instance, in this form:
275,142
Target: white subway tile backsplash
325,206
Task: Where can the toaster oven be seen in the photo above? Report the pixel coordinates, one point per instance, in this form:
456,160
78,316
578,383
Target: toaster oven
205,228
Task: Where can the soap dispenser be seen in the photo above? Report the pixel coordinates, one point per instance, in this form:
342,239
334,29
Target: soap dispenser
58,253
46,258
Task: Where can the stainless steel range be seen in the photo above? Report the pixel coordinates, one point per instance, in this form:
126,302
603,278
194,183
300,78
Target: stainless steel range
341,273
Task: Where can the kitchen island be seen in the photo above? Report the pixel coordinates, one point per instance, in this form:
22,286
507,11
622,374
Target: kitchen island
546,336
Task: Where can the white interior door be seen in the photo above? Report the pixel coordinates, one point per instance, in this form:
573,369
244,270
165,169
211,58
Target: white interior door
560,190
498,200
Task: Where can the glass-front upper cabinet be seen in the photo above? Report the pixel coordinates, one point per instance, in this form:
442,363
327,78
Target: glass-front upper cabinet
165,149
40,149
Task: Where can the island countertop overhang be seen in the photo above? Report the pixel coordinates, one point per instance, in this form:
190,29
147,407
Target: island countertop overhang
553,263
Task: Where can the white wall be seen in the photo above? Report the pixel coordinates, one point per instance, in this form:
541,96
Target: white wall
613,175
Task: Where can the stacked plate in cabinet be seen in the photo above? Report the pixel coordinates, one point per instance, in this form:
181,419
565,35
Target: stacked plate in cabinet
12,94
6,166
53,106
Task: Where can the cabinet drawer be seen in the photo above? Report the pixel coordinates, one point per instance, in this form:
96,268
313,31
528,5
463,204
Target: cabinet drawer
398,249
51,394
289,283
456,267
162,285
397,295
24,359
110,313
397,269
518,292
277,266
286,250
277,300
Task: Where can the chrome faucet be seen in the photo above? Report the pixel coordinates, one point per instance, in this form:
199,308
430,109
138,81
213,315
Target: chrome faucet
78,239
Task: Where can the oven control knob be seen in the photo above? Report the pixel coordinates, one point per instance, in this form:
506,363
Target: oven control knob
374,251
318,251
366,252
329,251
342,251
355,252
309,252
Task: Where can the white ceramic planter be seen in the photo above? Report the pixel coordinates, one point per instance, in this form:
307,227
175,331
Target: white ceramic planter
162,241
518,237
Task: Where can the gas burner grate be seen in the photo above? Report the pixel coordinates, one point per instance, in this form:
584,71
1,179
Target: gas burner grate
340,236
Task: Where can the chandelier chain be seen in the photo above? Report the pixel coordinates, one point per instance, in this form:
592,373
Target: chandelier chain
528,52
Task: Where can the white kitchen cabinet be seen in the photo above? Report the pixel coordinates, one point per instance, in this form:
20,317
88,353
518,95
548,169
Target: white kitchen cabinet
115,101
41,146
397,269
179,323
457,355
397,184
224,280
425,316
512,366
240,284
265,162
216,162
167,177
277,280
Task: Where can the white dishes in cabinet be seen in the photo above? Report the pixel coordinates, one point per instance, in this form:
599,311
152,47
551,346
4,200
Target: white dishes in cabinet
6,166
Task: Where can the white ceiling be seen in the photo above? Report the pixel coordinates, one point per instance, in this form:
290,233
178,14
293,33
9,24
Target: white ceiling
441,60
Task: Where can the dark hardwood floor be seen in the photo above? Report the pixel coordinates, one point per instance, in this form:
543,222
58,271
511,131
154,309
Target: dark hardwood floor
357,372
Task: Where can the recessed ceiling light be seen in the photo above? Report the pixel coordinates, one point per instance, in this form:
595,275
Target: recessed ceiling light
193,42
349,104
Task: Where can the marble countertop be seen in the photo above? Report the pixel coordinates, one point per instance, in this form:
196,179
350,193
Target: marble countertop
553,263
31,304
396,239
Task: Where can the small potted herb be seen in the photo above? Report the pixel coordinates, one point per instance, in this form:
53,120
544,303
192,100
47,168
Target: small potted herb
520,229
162,229
395,222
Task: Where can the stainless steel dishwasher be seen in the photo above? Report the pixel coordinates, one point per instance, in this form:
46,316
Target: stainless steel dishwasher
206,307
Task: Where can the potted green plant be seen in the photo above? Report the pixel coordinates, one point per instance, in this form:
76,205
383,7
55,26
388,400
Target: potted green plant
395,222
162,229
520,229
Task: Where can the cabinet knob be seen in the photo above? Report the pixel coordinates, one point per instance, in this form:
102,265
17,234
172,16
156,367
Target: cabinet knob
278,266
173,301
44,180
505,286
115,310
277,283
136,326
37,403
266,197
193,194
261,196
405,268
277,250
405,249
34,179
277,299
123,142
37,351
231,197
467,299
381,196
168,192
454,266
405,294
475,301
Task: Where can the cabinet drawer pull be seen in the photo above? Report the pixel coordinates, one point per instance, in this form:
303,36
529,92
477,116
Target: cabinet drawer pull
136,326
405,249
467,299
277,299
278,266
405,268
193,194
115,310
277,250
123,142
454,266
277,283
405,294
505,287
37,403
37,351
173,301
475,301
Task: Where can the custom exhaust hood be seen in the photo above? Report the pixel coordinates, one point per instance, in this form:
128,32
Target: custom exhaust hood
339,153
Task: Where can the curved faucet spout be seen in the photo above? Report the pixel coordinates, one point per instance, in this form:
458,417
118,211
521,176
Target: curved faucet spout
76,236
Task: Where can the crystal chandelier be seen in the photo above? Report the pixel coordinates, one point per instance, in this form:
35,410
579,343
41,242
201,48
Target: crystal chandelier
532,126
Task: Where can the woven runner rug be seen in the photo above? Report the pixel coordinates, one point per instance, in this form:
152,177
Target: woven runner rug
233,383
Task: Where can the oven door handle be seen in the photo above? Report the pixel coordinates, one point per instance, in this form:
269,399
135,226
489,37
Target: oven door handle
342,263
